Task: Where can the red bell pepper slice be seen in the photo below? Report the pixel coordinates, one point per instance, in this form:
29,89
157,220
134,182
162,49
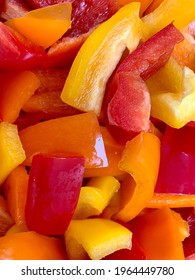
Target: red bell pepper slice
18,53
127,97
86,15
177,164
53,191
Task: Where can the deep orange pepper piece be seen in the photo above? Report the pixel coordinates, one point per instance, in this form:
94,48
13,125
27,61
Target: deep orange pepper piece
18,88
78,134
140,159
31,246
15,188
160,233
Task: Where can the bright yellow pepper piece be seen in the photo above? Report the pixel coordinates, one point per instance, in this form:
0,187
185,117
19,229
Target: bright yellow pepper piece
96,237
175,109
140,159
168,78
98,57
11,150
44,26
181,12
96,196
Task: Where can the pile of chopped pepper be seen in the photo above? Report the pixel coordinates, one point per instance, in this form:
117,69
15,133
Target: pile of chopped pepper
97,129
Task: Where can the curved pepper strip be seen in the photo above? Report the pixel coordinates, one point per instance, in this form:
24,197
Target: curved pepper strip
15,188
171,200
95,196
175,109
34,24
140,159
17,89
6,221
96,237
85,85
160,233
12,153
31,245
181,12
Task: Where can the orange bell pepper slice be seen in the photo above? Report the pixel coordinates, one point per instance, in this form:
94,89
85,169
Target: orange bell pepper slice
96,237
44,26
15,188
73,134
160,233
113,152
141,160
31,246
171,200
6,220
18,88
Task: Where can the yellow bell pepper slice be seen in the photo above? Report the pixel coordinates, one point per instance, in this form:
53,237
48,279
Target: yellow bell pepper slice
44,26
181,12
175,109
141,160
11,151
168,78
96,237
98,57
96,196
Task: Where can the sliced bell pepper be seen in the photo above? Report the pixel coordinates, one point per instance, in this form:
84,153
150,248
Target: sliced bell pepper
154,4
31,245
53,192
113,152
176,172
171,200
161,233
184,52
12,153
181,12
17,89
85,85
175,109
6,220
34,24
15,189
96,237
140,159
127,98
95,196
17,52
73,134
135,253
168,78
143,7
87,14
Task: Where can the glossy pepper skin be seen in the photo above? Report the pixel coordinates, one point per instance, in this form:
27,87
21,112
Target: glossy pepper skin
53,191
176,173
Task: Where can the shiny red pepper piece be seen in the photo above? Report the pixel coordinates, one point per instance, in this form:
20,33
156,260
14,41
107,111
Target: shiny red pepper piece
53,191
127,98
177,165
18,53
